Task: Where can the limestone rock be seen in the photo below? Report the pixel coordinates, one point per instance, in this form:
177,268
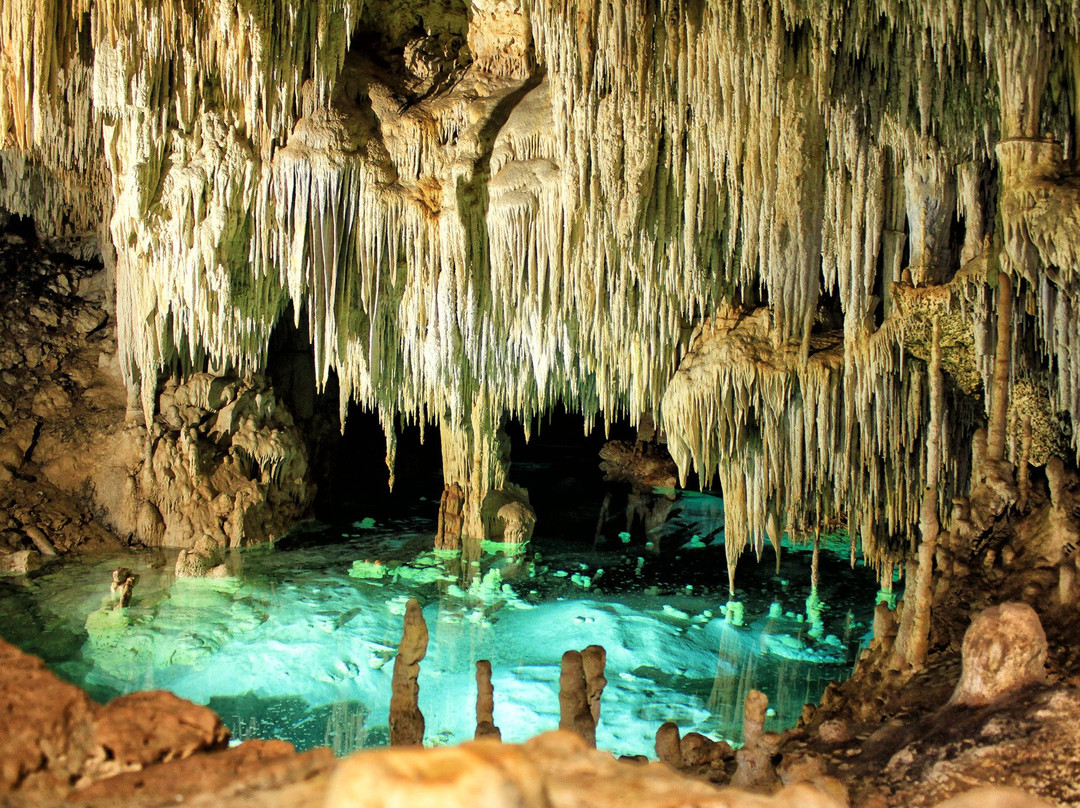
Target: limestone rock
642,465
143,728
448,535
123,582
203,560
46,726
755,768
1004,650
478,773
755,710
593,661
507,515
554,770
226,461
669,744
20,562
698,750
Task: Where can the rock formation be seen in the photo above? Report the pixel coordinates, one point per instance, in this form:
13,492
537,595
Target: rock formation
829,248
1004,650
575,714
485,703
406,720
153,749
450,235
755,758
123,582
593,661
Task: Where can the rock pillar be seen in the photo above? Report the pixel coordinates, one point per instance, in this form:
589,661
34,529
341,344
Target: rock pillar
478,501
406,720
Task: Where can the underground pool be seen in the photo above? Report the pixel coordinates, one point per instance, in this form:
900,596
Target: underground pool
298,641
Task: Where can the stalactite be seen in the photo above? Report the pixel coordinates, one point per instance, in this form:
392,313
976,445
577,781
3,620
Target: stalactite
589,203
792,437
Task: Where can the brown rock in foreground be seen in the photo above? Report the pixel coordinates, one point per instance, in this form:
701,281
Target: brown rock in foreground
46,726
52,735
554,770
139,729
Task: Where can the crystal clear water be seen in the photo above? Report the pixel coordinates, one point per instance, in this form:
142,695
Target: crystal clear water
292,646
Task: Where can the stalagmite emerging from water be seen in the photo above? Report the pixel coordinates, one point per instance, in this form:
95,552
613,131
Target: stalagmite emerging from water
574,712
123,581
485,703
406,720
594,659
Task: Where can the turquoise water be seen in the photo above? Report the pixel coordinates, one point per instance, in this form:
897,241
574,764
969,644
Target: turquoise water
291,646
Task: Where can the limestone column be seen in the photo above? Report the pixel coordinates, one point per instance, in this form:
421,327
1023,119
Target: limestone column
1022,60
998,426
914,639
476,458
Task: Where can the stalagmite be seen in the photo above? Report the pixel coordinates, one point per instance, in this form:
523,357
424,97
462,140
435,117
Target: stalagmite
448,536
575,712
668,744
123,582
593,660
406,720
485,703
755,768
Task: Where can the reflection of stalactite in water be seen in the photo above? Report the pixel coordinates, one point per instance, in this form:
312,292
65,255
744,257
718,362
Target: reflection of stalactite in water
785,696
345,732
729,689
739,671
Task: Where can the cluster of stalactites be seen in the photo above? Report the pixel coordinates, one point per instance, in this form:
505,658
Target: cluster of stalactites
50,136
523,238
799,445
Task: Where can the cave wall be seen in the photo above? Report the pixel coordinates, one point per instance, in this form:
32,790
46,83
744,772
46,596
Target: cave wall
506,205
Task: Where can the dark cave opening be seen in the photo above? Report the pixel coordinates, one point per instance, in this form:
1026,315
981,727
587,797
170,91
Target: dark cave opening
560,467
